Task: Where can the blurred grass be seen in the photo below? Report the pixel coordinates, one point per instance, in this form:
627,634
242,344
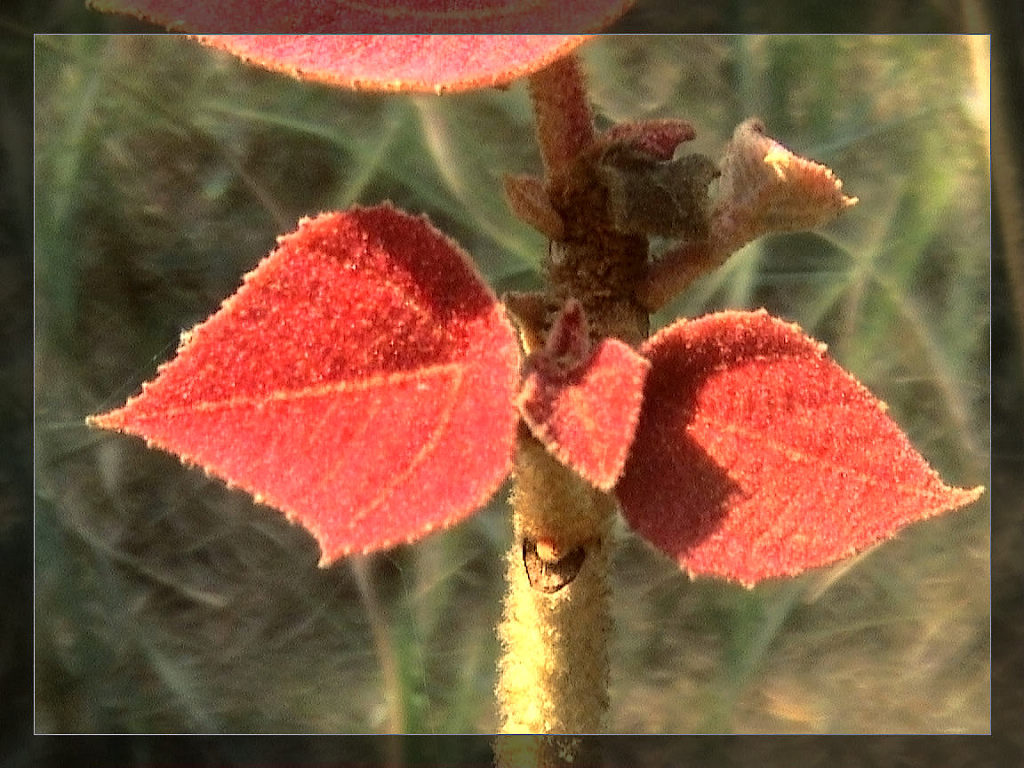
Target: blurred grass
166,602
897,640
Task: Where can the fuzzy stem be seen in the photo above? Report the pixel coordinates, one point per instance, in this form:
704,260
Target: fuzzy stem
676,269
557,681
553,677
564,123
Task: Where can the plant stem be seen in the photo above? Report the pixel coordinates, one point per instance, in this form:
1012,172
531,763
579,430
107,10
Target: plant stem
565,126
556,612
553,677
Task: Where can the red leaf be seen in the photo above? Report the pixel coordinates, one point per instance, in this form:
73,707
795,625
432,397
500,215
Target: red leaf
433,63
395,16
757,456
388,61
361,380
584,404
656,139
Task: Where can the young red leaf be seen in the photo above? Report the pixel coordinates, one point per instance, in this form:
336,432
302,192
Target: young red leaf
340,17
567,347
361,380
655,139
583,404
756,456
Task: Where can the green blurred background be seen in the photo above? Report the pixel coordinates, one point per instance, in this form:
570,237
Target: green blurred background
167,603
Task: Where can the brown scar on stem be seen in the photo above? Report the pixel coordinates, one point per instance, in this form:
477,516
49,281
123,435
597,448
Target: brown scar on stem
547,568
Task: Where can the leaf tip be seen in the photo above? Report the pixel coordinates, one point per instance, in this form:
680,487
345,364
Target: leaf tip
113,420
964,496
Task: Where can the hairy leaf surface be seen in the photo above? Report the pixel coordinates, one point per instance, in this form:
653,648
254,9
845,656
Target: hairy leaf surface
430,63
346,17
757,456
361,380
388,60
583,403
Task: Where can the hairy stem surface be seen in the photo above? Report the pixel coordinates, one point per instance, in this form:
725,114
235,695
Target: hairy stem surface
553,677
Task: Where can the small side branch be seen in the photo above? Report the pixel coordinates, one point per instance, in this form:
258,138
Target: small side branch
565,126
675,270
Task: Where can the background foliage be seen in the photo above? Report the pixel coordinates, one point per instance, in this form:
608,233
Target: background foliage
166,602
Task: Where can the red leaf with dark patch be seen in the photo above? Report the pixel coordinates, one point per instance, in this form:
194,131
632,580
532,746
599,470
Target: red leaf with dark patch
393,17
756,456
583,404
386,61
422,63
361,380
